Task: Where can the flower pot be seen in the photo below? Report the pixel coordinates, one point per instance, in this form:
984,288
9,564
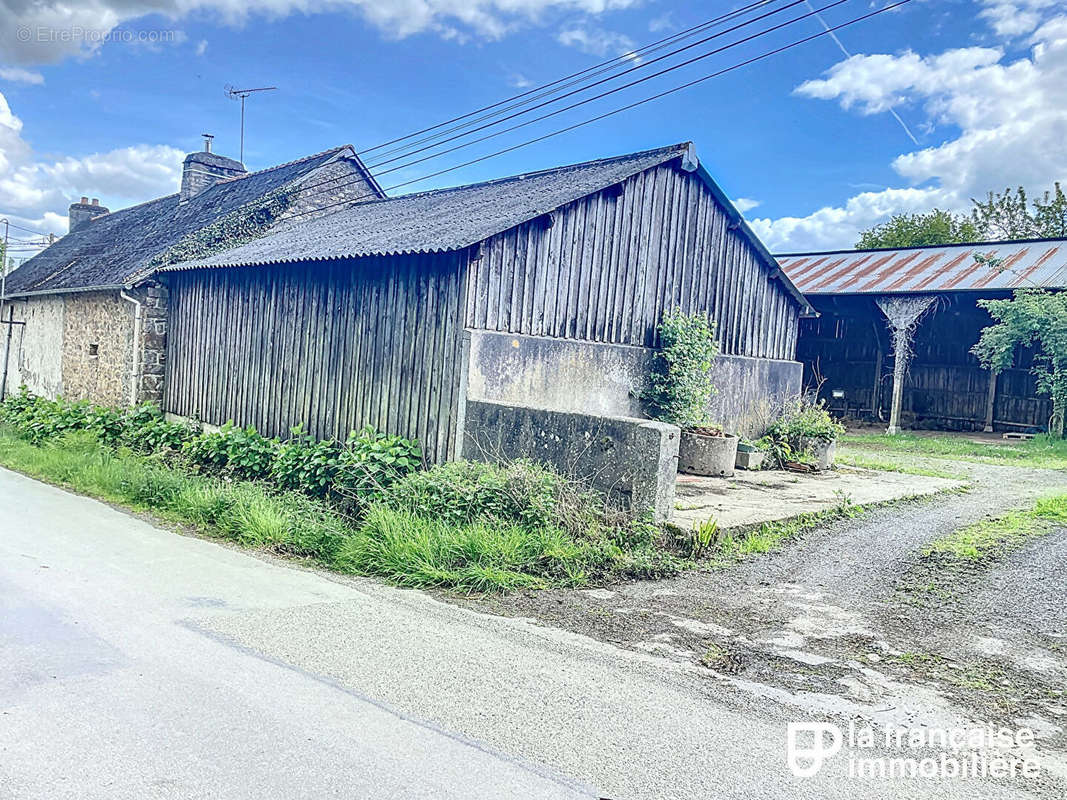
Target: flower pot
822,452
699,454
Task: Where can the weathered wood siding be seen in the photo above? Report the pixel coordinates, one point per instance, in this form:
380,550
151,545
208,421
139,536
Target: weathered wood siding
331,346
610,264
945,388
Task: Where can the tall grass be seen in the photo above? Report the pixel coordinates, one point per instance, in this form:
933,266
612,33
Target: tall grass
513,545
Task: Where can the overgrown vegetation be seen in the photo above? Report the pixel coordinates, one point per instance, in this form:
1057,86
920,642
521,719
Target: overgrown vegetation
803,425
1041,452
680,387
895,463
359,506
989,537
1034,319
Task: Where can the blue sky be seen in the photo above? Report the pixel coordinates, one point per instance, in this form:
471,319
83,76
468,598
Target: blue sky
806,140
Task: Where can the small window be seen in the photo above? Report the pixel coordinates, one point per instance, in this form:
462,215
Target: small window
94,350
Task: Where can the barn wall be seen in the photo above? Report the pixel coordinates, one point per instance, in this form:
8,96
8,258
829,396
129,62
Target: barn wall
36,356
331,346
945,388
609,265
608,379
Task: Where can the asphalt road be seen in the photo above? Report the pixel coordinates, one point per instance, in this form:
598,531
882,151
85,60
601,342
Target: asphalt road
139,663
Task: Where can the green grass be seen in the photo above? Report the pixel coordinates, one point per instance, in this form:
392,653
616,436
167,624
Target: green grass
409,549
1041,452
988,537
892,462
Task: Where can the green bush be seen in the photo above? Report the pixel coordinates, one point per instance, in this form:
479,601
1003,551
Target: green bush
802,423
680,387
371,461
241,452
519,492
308,465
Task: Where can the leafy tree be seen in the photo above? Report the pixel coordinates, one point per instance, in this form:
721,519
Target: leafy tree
917,230
1036,319
1010,215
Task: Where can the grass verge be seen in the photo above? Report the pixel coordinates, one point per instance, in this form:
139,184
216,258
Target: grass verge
892,462
989,537
1041,452
392,540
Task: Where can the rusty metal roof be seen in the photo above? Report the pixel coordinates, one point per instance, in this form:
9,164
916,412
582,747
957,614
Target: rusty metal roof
951,268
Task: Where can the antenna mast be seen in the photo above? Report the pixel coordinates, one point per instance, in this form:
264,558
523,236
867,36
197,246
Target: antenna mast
234,94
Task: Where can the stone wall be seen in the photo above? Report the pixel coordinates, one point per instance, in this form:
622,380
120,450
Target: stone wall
634,461
98,347
36,357
607,379
153,344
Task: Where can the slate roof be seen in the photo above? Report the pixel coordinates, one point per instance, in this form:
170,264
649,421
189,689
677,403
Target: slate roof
438,220
111,248
950,268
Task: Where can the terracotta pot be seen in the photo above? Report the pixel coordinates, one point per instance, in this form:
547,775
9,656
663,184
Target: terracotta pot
707,455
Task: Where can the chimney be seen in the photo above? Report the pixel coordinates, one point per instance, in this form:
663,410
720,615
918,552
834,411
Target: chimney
203,170
81,212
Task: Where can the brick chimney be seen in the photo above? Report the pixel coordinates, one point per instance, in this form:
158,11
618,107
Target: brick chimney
203,170
81,212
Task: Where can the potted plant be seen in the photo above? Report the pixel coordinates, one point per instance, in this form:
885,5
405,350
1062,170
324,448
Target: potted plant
807,434
680,391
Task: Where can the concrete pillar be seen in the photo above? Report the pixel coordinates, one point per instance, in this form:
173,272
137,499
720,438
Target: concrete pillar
899,371
991,401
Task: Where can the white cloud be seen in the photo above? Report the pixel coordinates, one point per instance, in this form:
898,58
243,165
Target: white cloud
519,81
45,31
17,75
744,204
596,41
201,47
1008,117
36,192
1008,18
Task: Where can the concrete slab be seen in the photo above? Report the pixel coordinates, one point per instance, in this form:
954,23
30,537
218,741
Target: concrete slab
752,498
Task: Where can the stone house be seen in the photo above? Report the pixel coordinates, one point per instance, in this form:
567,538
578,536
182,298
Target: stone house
515,317
90,329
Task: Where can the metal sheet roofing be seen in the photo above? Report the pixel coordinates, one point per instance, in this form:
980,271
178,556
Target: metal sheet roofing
109,249
951,268
438,220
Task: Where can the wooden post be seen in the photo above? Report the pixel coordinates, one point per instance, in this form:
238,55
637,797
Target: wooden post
990,401
876,389
899,370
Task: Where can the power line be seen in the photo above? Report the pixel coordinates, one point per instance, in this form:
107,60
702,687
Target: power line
628,107
581,102
618,60
602,95
627,72
28,230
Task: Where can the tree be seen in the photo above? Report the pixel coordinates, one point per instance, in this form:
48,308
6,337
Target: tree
1008,215
1035,319
918,230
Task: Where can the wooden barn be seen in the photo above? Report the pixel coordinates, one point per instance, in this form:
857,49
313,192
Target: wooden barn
848,350
539,290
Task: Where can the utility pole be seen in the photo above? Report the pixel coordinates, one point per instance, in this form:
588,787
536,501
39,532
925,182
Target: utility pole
243,94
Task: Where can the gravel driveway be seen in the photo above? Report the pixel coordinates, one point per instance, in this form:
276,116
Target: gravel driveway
831,623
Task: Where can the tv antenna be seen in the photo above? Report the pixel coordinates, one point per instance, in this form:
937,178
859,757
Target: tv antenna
234,94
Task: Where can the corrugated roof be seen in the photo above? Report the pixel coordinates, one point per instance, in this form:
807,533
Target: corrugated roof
951,268
111,248
438,220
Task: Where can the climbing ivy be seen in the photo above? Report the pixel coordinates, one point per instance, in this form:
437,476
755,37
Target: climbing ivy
240,226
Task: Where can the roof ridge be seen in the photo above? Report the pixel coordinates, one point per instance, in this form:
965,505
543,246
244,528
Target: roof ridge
328,151
523,175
